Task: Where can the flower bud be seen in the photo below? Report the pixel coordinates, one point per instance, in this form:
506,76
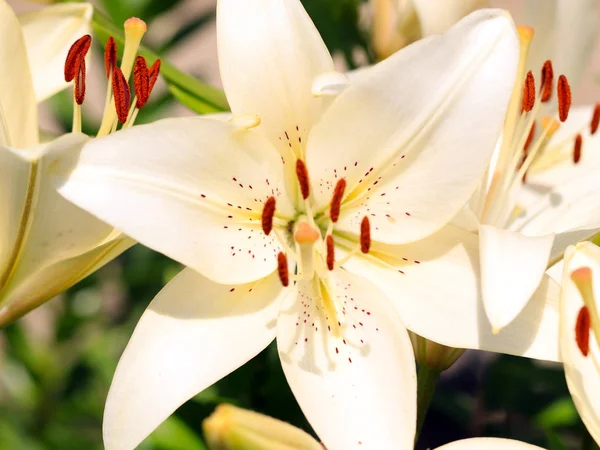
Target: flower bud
233,428
432,354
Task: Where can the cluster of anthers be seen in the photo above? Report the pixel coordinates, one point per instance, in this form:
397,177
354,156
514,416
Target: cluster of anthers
118,108
304,243
526,146
587,317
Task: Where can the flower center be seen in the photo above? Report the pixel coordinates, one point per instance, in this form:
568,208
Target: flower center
526,146
118,107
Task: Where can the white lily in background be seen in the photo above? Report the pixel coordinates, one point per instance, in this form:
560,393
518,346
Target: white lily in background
49,33
297,184
47,244
398,23
233,428
580,331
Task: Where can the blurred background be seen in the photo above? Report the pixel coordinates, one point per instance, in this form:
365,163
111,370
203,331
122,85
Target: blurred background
56,364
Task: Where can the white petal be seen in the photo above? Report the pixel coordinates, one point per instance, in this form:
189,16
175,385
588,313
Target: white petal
18,108
512,267
193,334
435,285
269,54
357,390
414,134
565,32
47,244
581,372
191,188
488,444
437,16
49,33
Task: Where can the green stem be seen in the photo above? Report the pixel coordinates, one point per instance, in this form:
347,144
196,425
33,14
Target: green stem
427,379
207,99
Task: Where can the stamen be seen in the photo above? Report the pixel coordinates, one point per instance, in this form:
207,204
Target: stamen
330,252
75,55
121,94
365,235
282,269
302,174
267,215
528,93
582,330
564,98
547,78
336,200
153,75
110,56
595,119
529,138
141,82
79,91
577,149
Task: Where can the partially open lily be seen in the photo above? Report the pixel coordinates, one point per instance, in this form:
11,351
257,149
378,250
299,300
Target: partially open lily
306,217
580,331
47,244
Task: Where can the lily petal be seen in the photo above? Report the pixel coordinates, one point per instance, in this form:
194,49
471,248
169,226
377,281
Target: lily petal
357,389
435,285
424,125
48,244
192,188
18,107
512,267
49,33
269,55
437,17
565,31
193,333
488,444
581,371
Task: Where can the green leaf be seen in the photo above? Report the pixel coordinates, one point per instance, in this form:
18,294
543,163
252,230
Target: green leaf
174,434
560,413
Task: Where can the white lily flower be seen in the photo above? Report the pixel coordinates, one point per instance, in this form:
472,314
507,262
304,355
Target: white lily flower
580,331
49,33
47,244
298,184
541,193
398,23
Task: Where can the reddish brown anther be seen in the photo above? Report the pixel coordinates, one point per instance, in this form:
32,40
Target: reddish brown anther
595,119
141,82
282,269
330,252
529,138
153,75
75,56
110,56
267,215
564,98
582,330
121,94
336,200
528,93
577,148
547,79
302,174
365,235
79,91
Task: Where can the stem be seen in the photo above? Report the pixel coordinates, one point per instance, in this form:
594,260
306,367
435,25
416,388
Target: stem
427,379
